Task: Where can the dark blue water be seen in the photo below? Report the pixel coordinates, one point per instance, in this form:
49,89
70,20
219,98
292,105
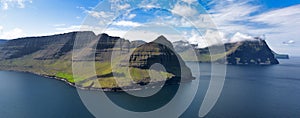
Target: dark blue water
249,91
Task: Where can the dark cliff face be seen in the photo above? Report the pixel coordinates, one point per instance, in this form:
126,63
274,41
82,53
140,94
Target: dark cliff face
56,46
252,52
2,42
46,47
255,52
52,55
146,55
160,51
107,44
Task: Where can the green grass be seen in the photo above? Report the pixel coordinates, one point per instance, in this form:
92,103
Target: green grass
66,76
62,68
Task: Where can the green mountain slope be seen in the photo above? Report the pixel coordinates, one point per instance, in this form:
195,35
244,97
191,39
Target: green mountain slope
52,56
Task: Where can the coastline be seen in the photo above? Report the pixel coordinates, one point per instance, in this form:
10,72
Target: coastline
119,89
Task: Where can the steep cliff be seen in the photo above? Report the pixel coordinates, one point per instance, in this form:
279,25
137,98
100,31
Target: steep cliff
46,47
255,52
52,56
252,52
160,51
2,42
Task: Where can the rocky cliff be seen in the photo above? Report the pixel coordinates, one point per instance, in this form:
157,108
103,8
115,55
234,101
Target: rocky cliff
160,51
255,52
2,41
52,56
45,47
252,52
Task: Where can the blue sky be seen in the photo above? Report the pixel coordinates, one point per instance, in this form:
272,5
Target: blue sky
191,20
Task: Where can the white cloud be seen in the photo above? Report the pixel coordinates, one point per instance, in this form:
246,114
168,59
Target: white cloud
279,25
237,37
211,37
72,28
189,1
280,16
1,28
289,42
233,16
214,37
226,13
59,25
142,35
131,16
184,10
148,4
12,34
284,22
97,14
5,4
127,24
100,14
195,38
124,6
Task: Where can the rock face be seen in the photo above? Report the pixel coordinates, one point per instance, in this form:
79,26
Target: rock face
106,44
160,51
252,52
255,52
2,42
52,56
56,46
46,47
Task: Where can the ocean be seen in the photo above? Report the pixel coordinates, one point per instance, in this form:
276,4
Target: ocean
248,92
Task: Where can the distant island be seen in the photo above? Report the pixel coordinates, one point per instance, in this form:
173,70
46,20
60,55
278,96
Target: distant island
254,52
52,56
281,56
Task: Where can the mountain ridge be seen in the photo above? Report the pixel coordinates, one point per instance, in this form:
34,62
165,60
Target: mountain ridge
52,56
254,52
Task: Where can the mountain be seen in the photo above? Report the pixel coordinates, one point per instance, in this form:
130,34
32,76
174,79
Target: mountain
254,52
52,56
2,42
41,48
160,51
137,43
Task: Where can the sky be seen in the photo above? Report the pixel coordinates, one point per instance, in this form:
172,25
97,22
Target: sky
203,22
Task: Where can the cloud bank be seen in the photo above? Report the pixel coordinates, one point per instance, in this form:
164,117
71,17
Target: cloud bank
6,4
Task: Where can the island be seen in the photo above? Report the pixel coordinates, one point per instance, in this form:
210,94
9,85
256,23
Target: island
254,52
281,56
119,59
51,56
